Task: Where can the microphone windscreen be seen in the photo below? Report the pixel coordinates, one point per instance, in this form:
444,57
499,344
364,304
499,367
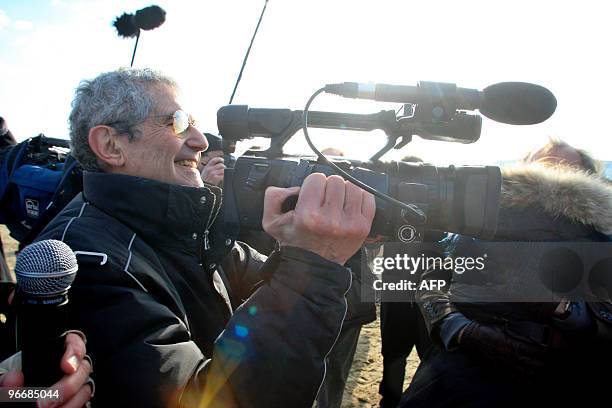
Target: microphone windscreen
150,17
45,268
518,103
125,26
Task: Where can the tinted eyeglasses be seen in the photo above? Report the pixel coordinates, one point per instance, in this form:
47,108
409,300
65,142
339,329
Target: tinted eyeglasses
181,121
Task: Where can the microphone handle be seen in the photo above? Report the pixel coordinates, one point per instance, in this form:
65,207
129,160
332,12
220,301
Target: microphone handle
39,334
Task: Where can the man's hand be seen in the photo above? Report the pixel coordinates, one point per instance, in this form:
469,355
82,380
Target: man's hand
499,347
75,388
213,170
332,217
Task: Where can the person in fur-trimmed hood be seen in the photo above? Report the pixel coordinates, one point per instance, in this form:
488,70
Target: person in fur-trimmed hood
502,353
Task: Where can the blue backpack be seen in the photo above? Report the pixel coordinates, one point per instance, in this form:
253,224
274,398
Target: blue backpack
38,177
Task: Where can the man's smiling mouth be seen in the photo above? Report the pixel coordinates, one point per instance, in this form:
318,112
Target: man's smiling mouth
188,163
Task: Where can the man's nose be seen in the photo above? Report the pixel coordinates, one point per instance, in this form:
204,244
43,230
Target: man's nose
196,140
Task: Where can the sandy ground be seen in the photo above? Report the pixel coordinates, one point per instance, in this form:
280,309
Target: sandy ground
362,387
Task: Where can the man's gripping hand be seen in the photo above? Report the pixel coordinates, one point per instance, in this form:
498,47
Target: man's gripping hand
332,217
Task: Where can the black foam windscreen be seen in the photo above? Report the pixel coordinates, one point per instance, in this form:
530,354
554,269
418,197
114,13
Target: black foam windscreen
150,17
517,103
125,26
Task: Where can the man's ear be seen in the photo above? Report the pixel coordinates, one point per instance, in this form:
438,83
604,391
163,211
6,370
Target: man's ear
104,142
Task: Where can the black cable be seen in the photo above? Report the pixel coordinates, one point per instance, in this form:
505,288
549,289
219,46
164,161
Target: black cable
410,208
247,54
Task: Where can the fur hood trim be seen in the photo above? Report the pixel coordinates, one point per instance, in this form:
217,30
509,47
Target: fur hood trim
561,192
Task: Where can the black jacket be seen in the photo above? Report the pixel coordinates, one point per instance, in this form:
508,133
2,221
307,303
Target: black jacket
538,204
172,323
359,310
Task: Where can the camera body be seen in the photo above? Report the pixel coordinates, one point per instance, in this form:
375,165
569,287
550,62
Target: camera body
462,199
415,197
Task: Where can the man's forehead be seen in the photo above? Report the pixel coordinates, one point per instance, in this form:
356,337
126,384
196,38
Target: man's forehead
166,99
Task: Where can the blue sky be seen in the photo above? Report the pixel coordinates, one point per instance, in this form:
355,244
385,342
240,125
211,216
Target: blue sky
48,46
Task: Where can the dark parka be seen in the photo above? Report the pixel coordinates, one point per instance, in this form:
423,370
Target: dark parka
177,315
538,204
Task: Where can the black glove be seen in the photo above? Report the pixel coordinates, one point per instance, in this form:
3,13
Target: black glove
497,345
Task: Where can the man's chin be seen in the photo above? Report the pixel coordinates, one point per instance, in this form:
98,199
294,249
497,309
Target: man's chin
189,177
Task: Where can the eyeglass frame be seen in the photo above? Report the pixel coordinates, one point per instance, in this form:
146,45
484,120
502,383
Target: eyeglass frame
177,132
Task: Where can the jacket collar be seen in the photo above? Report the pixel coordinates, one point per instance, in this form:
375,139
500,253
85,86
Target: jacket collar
560,193
171,215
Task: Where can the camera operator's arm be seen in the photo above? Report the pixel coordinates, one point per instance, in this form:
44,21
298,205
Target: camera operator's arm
451,329
272,352
437,308
498,345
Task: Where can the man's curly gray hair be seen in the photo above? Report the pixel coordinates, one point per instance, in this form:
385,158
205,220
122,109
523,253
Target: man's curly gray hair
121,99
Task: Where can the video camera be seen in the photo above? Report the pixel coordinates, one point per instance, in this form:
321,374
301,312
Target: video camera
462,199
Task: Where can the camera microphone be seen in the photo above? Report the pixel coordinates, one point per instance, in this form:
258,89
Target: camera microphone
44,270
515,103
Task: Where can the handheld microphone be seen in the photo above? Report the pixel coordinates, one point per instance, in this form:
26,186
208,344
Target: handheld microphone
515,103
44,270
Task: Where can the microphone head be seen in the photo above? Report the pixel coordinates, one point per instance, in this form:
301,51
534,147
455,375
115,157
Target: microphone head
150,17
129,25
45,268
125,26
517,103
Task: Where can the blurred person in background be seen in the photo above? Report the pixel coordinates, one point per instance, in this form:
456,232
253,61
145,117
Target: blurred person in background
211,163
6,140
402,329
6,136
502,354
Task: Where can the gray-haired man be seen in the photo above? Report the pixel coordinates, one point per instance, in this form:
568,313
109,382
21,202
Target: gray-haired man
176,314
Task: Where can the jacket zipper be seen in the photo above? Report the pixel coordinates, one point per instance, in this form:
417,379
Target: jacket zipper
211,219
